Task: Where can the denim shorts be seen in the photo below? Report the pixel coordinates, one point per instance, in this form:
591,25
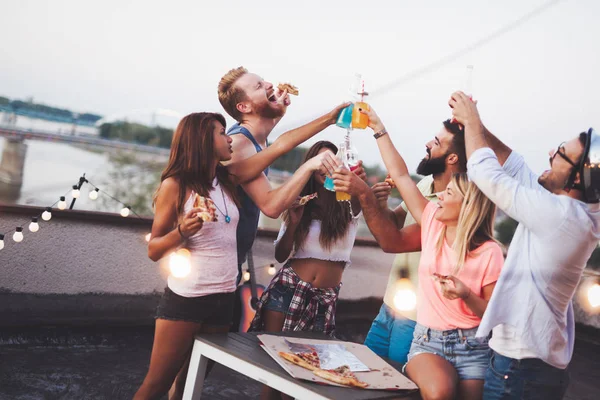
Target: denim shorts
280,298
215,310
470,356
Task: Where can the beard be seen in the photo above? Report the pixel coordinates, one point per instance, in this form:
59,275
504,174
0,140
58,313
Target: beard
432,166
266,110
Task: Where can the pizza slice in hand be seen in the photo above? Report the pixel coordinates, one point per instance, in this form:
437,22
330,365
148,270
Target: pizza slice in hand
291,89
305,199
390,181
209,210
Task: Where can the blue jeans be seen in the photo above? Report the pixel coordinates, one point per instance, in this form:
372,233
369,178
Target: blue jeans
390,335
530,378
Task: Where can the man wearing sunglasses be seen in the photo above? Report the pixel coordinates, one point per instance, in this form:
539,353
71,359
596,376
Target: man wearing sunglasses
530,312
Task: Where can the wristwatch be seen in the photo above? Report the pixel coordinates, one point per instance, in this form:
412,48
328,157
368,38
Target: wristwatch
380,133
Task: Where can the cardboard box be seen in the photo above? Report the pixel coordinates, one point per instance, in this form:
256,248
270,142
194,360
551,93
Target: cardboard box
382,375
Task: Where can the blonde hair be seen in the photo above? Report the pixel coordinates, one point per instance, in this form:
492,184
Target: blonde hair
229,94
475,221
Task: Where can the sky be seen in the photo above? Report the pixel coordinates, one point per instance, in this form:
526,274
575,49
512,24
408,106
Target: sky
536,85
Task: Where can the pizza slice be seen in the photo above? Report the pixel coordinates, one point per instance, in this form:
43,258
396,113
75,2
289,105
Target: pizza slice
291,89
390,181
209,210
305,199
341,375
308,360
439,277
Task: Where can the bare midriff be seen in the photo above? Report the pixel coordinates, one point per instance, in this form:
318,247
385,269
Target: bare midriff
319,273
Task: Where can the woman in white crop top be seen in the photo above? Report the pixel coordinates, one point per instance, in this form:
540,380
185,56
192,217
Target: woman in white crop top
316,239
201,302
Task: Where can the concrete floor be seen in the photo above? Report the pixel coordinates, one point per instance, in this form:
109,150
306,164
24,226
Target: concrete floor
102,363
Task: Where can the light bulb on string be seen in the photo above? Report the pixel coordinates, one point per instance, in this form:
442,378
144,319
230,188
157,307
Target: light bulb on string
47,214
405,298
271,271
18,235
62,204
94,194
246,276
34,226
75,192
180,264
1,241
125,211
594,295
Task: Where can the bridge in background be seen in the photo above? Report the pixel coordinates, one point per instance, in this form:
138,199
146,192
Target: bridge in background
12,161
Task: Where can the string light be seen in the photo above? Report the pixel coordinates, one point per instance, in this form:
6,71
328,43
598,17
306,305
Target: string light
62,204
47,214
18,235
180,264
94,194
246,276
125,211
594,295
34,226
405,298
271,271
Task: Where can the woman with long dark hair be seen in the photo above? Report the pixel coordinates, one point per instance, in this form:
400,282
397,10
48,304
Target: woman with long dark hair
319,236
201,302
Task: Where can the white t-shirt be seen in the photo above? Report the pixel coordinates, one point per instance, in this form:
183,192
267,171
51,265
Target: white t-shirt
340,250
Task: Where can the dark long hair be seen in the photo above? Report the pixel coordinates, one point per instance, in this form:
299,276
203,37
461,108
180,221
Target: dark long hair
193,157
335,216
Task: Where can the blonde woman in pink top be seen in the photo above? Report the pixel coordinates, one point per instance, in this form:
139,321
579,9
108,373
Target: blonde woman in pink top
460,264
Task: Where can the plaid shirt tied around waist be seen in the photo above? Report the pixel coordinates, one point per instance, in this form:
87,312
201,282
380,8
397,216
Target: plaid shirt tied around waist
304,306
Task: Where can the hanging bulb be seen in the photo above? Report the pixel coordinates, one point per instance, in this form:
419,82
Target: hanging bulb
75,192
271,271
246,276
148,236
34,226
405,298
94,194
594,295
1,242
180,264
46,215
18,235
125,211
62,204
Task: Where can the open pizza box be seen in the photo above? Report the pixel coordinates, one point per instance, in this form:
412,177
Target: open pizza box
381,376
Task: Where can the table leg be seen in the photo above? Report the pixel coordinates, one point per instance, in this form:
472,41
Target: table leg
195,377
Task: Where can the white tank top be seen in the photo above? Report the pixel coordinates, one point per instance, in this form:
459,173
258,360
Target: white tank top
340,250
213,251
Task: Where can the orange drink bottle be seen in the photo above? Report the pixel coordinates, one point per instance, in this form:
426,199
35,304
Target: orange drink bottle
360,120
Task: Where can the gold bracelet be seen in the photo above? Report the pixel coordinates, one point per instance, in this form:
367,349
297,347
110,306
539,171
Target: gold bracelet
381,133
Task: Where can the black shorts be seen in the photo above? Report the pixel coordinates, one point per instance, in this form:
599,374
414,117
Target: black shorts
211,310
